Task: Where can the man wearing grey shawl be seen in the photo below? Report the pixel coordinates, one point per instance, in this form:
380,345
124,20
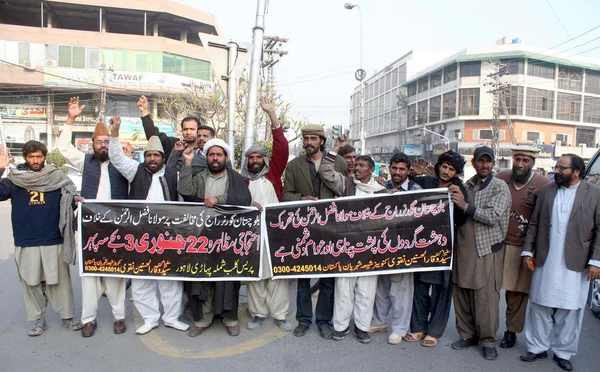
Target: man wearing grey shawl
42,198
264,182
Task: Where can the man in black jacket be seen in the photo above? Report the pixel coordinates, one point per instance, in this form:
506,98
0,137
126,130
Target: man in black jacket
217,184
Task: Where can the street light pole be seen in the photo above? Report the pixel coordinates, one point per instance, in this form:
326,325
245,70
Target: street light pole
437,134
360,75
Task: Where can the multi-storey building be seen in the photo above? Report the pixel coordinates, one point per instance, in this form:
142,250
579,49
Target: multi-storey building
554,99
53,50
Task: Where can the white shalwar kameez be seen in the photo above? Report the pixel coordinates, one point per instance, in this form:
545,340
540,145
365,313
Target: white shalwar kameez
354,296
558,295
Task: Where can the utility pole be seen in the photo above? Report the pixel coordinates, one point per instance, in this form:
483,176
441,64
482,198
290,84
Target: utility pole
252,101
272,55
498,91
102,98
232,93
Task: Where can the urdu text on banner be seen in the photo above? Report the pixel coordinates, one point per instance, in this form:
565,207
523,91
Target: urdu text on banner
170,240
354,236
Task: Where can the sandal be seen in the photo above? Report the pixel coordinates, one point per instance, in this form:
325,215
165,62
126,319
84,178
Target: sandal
38,328
71,324
429,341
414,337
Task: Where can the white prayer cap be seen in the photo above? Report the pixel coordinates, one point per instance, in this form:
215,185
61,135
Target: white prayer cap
216,142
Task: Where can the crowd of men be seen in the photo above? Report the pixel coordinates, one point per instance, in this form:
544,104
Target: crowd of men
514,230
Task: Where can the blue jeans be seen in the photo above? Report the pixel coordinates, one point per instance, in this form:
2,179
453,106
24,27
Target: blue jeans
324,310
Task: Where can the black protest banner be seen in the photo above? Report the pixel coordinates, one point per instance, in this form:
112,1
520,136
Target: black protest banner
402,232
178,241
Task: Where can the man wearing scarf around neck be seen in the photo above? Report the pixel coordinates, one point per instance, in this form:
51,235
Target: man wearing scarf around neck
353,295
42,198
263,176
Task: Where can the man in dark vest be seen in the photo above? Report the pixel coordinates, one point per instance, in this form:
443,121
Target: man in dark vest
102,181
154,182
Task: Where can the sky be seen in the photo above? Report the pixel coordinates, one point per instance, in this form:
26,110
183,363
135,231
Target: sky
317,76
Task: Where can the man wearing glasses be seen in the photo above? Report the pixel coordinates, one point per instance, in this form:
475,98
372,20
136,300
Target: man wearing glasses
102,181
562,249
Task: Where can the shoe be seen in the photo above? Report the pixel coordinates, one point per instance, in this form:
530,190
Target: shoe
531,357
340,335
509,340
71,324
195,331
147,327
464,343
284,325
381,328
325,331
300,330
38,328
89,329
490,353
119,327
256,322
563,363
394,339
362,336
178,325
233,330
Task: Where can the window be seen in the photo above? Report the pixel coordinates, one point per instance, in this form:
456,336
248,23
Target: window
540,69
470,69
585,136
533,136
514,66
52,52
568,107
562,138
411,114
388,81
434,108
78,57
422,112
395,77
514,100
592,83
570,78
92,58
449,108
591,110
23,53
540,103
435,80
468,102
64,55
412,89
381,85
450,73
485,134
423,84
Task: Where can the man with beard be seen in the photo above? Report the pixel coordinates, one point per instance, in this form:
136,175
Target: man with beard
349,154
42,198
354,296
217,184
430,312
394,295
524,187
263,176
477,262
190,131
101,181
154,182
560,246
303,182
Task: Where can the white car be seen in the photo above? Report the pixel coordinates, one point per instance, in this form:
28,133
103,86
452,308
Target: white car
75,175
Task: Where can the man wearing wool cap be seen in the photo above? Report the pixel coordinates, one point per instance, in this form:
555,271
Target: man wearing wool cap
154,182
216,184
263,176
101,181
524,186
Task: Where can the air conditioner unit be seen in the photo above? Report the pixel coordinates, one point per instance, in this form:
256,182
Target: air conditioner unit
105,66
51,63
28,65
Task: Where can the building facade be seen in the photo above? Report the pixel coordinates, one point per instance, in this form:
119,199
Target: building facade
53,50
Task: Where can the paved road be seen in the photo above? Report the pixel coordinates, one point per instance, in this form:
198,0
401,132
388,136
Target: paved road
269,349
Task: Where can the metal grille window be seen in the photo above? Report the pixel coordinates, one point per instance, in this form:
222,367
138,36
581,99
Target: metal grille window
470,69
411,115
591,110
514,100
540,103
570,78
468,103
422,112
568,107
434,108
450,73
412,89
423,84
540,69
449,110
592,83
514,66
586,136
435,80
